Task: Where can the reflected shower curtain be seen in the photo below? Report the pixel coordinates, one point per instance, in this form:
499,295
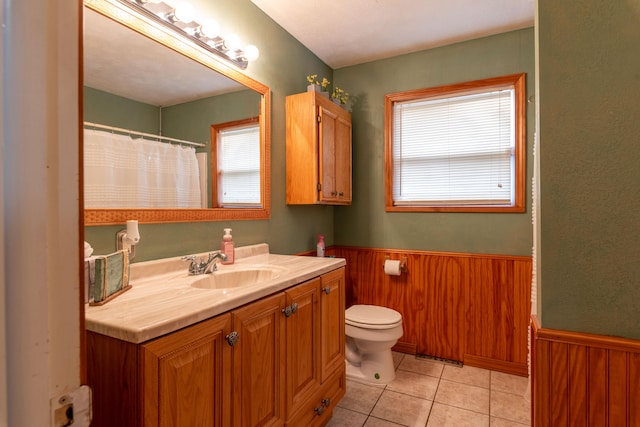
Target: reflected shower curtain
123,172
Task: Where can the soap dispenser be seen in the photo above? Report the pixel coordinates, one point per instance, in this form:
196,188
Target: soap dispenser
227,246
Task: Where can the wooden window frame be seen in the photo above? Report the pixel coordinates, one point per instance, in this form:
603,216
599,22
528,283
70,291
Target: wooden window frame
264,171
515,81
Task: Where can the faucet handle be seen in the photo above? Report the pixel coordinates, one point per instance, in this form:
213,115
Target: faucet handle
193,267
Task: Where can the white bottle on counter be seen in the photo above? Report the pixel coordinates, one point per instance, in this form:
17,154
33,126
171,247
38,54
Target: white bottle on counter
320,246
227,246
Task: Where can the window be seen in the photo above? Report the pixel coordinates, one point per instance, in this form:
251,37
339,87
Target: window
236,162
457,148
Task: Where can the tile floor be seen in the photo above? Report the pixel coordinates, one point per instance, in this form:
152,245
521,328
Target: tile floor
436,394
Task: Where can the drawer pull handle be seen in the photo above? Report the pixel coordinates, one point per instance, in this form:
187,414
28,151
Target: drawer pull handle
290,309
232,338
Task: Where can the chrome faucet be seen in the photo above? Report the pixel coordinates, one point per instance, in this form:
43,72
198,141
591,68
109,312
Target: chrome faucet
202,266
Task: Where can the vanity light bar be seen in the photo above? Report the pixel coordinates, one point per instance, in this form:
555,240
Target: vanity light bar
180,19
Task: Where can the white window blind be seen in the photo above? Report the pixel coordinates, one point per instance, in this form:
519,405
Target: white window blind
239,166
454,151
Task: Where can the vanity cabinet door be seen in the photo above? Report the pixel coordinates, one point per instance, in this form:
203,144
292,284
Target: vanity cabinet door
303,345
332,307
258,363
186,376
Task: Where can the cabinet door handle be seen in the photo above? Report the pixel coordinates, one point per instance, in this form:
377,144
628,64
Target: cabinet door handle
319,410
326,402
341,194
290,309
232,338
334,193
326,290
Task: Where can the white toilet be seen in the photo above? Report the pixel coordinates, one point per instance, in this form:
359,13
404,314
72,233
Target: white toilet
370,332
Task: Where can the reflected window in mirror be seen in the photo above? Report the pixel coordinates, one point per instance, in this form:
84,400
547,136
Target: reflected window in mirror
235,157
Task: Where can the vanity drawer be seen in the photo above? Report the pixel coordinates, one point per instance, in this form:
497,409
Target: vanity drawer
310,413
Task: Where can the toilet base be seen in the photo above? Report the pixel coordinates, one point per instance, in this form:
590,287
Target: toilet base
375,368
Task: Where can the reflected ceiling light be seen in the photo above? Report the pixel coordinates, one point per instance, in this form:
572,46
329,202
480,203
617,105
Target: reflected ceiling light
205,34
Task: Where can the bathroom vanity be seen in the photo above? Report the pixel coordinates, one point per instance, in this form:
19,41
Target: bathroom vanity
210,350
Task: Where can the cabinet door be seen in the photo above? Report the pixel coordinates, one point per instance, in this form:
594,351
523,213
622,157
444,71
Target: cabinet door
332,323
343,160
258,363
303,344
186,376
327,147
335,155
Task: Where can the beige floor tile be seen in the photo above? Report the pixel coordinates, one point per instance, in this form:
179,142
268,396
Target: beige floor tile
413,384
463,396
377,422
402,409
467,375
509,383
511,407
360,397
421,366
450,416
499,422
346,418
397,358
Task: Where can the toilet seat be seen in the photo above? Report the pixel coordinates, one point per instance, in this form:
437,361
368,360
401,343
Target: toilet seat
372,317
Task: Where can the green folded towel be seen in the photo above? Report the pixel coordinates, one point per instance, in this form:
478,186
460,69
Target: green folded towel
112,275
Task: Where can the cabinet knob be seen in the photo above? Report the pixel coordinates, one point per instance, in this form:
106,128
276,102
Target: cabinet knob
232,338
326,402
326,290
334,193
341,194
290,309
319,410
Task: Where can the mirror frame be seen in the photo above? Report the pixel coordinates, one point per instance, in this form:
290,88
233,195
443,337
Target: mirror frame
128,17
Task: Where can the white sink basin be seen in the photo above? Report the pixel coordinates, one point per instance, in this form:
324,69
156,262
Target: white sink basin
236,277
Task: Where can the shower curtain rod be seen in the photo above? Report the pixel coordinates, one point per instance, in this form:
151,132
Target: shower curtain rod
150,135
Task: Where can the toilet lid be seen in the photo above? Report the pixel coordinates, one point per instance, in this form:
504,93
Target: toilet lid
372,315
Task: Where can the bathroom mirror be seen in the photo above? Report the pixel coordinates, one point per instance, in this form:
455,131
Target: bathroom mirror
167,73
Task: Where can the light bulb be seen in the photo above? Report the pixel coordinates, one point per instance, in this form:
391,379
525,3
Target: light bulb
184,12
251,53
232,41
210,29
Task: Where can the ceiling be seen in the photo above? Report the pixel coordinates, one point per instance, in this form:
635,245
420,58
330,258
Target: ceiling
348,32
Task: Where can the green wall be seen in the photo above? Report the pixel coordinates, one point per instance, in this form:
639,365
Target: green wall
283,65
112,110
366,223
589,92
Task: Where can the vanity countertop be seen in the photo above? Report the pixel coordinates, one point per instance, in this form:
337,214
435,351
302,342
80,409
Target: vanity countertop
161,299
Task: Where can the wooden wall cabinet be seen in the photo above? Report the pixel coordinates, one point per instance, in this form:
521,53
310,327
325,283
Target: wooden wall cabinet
318,158
285,368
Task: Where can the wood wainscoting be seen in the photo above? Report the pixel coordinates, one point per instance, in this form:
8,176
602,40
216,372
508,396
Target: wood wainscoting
582,379
459,306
